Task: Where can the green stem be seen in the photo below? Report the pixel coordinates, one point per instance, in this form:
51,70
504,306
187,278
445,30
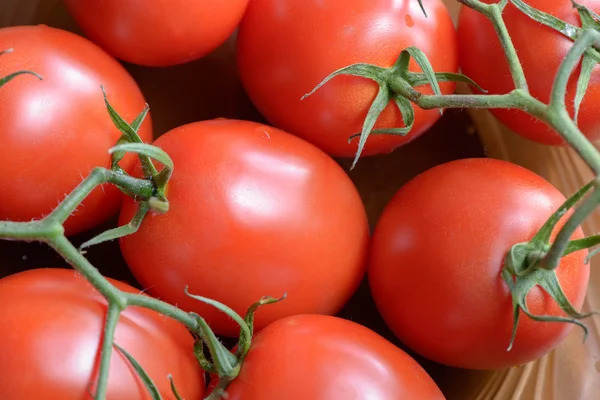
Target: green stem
516,69
110,325
30,231
476,5
217,393
561,121
517,99
558,117
136,187
69,252
551,260
163,308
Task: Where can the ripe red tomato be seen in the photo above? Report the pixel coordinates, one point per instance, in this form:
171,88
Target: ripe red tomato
541,50
439,248
321,358
50,346
158,32
286,47
254,212
55,131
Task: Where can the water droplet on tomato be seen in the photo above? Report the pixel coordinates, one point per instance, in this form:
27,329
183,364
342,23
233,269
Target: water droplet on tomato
409,21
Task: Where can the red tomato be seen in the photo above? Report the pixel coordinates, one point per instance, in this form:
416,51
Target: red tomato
286,47
541,50
254,212
437,255
55,131
158,32
320,357
51,350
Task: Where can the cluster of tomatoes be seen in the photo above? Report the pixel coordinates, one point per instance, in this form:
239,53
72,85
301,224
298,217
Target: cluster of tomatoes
262,210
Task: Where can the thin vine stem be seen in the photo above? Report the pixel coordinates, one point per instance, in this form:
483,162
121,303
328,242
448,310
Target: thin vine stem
494,13
140,187
69,252
110,326
51,231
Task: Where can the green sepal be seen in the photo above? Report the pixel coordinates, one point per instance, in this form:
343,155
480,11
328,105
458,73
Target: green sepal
244,342
147,150
587,66
10,77
542,237
130,133
520,286
423,62
225,364
589,19
418,79
174,388
381,101
135,126
245,330
362,70
408,115
121,231
571,31
422,8
150,385
201,357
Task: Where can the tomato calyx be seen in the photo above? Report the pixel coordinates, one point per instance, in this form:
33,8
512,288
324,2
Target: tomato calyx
521,275
526,266
223,364
395,83
130,142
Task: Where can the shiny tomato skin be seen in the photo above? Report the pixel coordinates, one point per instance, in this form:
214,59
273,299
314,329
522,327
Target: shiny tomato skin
541,51
254,212
286,47
158,33
321,357
52,348
437,254
53,132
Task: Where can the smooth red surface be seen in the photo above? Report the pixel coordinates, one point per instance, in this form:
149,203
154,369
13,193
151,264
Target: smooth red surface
158,32
541,50
254,212
55,131
322,358
50,343
286,47
437,254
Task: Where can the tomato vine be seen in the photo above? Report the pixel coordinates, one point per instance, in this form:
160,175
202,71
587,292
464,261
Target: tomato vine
527,264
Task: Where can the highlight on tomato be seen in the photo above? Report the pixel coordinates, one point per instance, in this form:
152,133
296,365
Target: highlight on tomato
158,33
54,131
541,50
254,211
322,358
437,257
286,47
53,323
